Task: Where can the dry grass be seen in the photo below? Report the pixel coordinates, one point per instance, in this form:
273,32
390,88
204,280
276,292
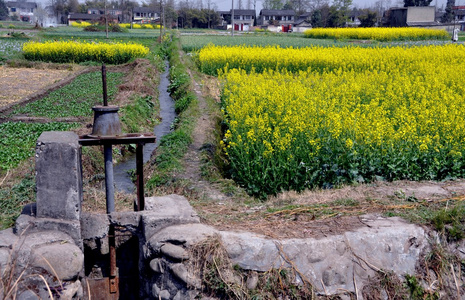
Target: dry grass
210,262
320,213
94,201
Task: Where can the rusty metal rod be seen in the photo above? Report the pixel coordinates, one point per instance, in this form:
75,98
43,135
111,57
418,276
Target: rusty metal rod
104,82
140,178
113,268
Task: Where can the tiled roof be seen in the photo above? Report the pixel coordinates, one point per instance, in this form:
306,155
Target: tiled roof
277,12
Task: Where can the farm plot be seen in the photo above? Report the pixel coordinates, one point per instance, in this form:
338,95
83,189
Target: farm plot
18,83
378,33
322,117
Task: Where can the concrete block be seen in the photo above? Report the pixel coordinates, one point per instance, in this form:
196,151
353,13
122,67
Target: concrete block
58,175
27,224
161,212
94,226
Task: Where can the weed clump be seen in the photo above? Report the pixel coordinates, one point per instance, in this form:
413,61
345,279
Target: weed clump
450,222
221,278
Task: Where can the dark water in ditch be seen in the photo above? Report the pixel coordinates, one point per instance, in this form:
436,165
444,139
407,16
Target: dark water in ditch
122,180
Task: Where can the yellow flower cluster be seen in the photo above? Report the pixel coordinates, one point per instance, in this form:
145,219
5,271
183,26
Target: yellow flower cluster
80,24
140,26
323,59
377,33
393,112
71,51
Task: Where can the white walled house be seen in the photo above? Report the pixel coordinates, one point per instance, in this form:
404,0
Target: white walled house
22,10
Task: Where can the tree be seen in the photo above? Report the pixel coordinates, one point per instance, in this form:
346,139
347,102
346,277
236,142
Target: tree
320,16
368,18
3,10
336,17
315,18
171,15
60,8
73,6
380,7
339,13
273,4
449,14
127,8
288,6
94,4
197,18
408,3
40,14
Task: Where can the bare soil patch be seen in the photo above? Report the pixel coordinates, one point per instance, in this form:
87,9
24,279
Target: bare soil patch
18,83
21,85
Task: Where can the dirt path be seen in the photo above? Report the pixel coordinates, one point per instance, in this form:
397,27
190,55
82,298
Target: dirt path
193,160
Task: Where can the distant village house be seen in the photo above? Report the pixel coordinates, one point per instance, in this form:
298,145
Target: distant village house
20,10
278,20
243,19
145,15
94,15
418,16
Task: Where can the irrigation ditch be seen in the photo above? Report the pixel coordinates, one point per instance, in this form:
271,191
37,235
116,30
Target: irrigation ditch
122,171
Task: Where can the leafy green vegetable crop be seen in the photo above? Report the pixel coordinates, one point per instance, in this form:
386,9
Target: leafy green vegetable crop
17,140
75,99
196,42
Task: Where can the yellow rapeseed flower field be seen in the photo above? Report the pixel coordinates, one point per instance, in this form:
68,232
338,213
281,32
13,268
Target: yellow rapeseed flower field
309,117
321,59
72,51
81,24
140,26
383,34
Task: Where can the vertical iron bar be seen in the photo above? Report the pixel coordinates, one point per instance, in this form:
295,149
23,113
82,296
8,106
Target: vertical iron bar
104,82
109,188
113,269
140,177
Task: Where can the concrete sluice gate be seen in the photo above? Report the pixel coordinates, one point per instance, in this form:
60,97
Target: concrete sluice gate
85,255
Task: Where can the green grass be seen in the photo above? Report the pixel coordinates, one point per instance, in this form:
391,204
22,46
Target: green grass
75,99
136,115
450,222
16,25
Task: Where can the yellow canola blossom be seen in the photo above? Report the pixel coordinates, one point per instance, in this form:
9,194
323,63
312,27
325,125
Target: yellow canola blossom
140,26
383,34
71,51
80,24
351,114
324,59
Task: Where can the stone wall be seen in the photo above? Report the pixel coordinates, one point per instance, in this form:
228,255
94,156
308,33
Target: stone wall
160,242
